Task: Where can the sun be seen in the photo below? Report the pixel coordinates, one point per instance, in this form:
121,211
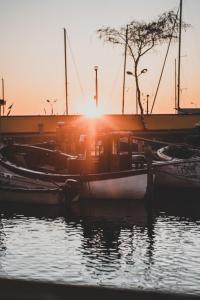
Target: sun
91,110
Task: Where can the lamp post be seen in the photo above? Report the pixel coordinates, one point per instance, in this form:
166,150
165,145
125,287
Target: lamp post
147,104
136,96
51,104
96,85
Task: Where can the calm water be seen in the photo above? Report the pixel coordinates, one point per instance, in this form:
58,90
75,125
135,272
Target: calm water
104,244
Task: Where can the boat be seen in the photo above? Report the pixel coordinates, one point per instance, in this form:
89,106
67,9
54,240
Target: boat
18,189
104,169
178,168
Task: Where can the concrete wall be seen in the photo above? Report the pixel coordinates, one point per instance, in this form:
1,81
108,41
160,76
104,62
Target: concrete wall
34,124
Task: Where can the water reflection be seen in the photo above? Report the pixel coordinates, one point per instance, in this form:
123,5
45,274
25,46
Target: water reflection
185,205
104,242
112,232
24,210
2,247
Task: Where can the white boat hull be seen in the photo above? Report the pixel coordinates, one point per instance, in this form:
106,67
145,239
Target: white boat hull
130,187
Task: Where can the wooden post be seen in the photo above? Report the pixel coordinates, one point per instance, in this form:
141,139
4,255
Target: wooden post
150,183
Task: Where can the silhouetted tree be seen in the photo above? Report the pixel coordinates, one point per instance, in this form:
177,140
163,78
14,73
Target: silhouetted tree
141,37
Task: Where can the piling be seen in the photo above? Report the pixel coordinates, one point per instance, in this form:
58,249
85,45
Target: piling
150,175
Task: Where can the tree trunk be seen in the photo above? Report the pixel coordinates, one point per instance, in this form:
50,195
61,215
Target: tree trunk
139,95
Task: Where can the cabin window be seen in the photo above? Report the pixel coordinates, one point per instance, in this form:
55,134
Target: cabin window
115,147
124,145
99,150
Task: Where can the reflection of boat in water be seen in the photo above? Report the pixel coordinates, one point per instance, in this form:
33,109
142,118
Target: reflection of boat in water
179,168
127,213
104,171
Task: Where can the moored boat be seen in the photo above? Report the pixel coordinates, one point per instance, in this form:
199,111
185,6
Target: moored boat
17,189
103,170
179,168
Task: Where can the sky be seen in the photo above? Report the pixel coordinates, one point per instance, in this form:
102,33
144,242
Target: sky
32,56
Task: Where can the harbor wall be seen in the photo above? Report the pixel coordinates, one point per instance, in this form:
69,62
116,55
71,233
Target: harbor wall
45,124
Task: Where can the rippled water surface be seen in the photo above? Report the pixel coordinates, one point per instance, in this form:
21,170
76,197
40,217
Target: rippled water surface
104,244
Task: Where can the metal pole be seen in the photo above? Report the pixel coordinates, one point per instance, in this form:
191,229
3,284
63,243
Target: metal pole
124,80
179,55
96,85
147,104
175,88
3,94
65,54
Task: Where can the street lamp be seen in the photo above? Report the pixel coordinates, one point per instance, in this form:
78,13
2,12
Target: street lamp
51,104
131,73
96,86
147,104
142,72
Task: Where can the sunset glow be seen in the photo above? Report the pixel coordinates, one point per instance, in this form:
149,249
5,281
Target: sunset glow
34,71
90,110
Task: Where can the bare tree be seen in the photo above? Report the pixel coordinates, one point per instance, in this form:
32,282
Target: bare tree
141,37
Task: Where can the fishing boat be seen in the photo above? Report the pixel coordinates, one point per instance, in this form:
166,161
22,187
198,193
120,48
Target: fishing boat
18,189
104,169
179,168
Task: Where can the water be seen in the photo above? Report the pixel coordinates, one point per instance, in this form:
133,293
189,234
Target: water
103,243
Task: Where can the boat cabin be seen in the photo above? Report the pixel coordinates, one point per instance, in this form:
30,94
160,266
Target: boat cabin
107,152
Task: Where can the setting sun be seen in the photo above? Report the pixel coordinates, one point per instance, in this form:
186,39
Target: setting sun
90,110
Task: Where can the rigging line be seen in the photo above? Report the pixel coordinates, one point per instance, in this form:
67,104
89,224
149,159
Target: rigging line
116,77
164,63
75,66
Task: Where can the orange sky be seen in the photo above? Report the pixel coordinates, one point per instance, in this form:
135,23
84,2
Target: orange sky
32,56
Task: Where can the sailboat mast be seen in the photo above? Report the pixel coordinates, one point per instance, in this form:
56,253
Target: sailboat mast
124,79
179,55
65,53
175,86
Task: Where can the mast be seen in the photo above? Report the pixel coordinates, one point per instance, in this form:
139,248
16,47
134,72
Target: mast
124,79
65,53
179,55
175,86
